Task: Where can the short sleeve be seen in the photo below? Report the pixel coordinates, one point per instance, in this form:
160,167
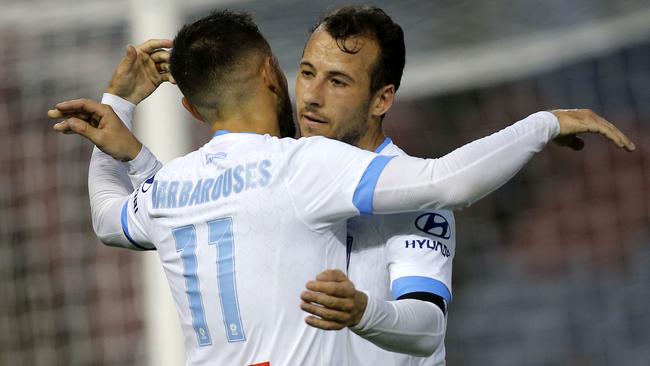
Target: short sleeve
420,251
134,216
330,181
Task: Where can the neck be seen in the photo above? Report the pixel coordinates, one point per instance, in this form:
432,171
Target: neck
372,138
257,116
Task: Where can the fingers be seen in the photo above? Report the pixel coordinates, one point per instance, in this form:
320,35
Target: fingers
55,114
162,67
332,275
338,289
79,106
79,127
129,58
620,139
168,77
576,121
330,301
323,324
161,56
324,318
154,44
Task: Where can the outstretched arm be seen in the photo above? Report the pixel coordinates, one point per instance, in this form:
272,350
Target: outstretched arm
474,170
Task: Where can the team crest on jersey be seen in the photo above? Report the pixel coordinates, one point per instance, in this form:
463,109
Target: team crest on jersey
211,158
434,224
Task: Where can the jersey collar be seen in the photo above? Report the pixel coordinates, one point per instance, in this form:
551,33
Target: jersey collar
387,141
225,132
221,132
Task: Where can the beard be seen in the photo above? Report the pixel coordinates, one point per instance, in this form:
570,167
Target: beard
285,115
356,127
284,110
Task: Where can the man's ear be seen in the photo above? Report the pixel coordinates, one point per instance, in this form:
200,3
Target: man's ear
270,74
383,100
192,109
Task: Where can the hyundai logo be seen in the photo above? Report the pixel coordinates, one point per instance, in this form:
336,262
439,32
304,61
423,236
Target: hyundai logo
434,224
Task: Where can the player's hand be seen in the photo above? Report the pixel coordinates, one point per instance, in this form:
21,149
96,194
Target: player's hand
143,68
99,124
333,301
576,121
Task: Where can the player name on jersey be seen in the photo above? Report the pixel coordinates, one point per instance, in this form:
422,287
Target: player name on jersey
177,194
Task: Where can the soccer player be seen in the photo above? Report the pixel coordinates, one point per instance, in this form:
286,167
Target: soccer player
350,70
243,222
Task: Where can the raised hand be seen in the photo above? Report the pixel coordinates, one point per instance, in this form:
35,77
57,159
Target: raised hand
333,301
143,68
99,124
576,121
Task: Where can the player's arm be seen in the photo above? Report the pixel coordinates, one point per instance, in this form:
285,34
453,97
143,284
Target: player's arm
145,164
408,326
143,68
108,183
474,170
331,181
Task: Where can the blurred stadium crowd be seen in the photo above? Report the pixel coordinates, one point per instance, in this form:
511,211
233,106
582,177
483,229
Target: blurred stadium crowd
552,269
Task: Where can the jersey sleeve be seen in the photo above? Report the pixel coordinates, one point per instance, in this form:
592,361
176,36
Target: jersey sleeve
122,107
465,175
330,181
110,193
420,250
134,218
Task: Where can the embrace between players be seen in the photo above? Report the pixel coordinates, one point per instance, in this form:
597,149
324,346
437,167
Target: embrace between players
243,223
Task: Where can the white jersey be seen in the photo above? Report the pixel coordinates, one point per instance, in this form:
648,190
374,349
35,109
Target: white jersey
244,222
392,255
240,226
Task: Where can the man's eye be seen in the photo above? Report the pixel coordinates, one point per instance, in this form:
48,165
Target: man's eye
337,82
306,73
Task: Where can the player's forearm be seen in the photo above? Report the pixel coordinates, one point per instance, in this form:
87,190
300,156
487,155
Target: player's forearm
465,175
109,187
122,107
407,326
145,163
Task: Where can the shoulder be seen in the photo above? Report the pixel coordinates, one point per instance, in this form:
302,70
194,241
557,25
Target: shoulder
389,148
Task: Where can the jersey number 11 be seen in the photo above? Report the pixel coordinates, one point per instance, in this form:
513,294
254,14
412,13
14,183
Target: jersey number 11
219,235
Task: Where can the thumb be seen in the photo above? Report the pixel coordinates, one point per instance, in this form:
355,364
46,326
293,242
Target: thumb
129,58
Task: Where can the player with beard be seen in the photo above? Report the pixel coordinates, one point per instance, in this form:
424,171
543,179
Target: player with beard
213,197
350,71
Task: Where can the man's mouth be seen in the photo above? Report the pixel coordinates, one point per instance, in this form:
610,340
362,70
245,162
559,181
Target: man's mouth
309,117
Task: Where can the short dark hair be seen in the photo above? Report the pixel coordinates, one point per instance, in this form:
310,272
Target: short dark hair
206,53
372,22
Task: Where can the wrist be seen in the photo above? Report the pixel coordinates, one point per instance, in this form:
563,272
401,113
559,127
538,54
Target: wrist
361,301
119,93
134,151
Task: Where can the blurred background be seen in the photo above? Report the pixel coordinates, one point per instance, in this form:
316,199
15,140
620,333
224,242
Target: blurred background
552,269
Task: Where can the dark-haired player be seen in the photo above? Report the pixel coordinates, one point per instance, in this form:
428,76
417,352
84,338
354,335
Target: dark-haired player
243,222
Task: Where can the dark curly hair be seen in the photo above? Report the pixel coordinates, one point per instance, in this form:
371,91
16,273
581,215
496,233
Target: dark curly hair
372,22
